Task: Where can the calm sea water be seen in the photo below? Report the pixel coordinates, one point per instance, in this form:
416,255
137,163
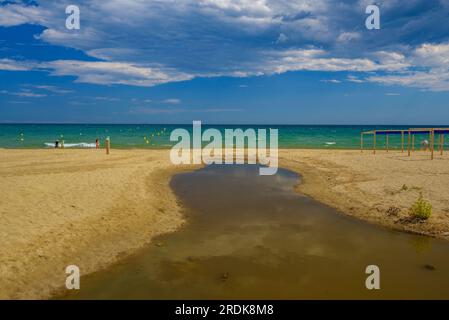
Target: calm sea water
158,136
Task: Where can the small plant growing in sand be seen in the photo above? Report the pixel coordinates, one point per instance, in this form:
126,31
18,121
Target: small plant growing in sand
421,209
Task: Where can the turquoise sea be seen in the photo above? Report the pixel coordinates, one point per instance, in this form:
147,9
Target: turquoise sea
158,136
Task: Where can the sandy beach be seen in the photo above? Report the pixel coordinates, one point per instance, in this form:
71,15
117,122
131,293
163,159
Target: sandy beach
61,207
377,188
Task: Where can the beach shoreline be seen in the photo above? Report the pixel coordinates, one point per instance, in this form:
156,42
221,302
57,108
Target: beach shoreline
72,206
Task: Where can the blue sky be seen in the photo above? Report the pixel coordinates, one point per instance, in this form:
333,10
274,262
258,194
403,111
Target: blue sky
225,61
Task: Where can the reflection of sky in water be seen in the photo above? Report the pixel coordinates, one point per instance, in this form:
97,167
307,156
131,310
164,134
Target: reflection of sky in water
271,243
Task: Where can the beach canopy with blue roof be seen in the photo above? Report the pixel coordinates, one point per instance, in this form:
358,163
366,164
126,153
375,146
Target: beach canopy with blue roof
411,132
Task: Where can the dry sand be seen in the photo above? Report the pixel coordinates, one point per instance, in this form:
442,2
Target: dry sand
61,207
370,186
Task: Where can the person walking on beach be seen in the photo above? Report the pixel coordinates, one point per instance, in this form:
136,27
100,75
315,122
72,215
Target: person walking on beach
97,144
56,144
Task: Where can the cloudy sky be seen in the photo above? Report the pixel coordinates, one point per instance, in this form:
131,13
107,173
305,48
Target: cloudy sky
225,61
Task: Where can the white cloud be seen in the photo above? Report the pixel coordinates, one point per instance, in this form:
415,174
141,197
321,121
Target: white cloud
103,72
30,94
25,93
156,32
348,36
319,60
12,65
16,14
352,78
151,42
281,39
433,80
331,81
111,99
429,69
274,62
52,89
172,101
246,7
432,55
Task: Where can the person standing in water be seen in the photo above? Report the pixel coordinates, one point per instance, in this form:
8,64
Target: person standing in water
97,144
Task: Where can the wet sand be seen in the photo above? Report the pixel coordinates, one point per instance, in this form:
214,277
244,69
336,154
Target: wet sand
253,237
61,207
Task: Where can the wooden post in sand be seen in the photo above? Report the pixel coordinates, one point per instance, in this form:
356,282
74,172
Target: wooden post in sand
408,143
402,141
108,145
387,142
361,142
442,143
374,142
432,143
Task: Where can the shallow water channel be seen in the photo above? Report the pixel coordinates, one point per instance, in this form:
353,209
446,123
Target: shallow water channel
251,236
